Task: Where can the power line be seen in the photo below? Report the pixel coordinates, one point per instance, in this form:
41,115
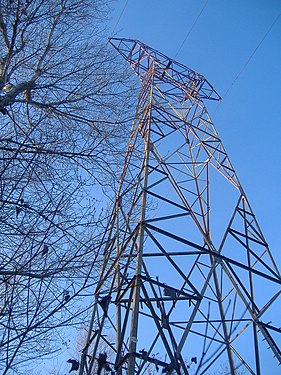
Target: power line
119,18
251,56
248,61
192,27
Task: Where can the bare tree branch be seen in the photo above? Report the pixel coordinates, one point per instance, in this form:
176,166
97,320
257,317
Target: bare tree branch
61,92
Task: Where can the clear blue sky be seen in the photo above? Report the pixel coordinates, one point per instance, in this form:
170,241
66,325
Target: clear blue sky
237,46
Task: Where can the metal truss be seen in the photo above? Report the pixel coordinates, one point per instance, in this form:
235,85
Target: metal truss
188,284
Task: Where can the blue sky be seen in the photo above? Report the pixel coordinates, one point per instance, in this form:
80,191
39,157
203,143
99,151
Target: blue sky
236,45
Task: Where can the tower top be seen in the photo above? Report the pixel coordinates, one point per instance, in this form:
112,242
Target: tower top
141,57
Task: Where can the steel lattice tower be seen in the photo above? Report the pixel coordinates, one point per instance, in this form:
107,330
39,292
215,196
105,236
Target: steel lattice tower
187,283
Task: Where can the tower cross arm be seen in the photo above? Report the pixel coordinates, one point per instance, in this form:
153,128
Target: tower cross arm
167,70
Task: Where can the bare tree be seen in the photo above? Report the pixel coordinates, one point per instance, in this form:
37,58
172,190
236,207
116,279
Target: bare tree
60,95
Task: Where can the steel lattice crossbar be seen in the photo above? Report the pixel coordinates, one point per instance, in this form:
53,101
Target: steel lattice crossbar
187,283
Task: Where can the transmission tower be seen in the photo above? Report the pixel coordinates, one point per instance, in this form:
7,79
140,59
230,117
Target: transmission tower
187,284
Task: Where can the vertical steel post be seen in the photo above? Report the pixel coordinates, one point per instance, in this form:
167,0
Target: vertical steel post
136,294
